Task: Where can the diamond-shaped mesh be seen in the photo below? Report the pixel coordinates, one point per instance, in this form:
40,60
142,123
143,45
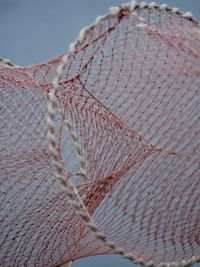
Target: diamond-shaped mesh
132,93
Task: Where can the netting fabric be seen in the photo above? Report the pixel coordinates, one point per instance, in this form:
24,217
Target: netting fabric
131,91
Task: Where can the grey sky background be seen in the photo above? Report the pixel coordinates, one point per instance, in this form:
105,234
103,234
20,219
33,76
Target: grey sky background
32,31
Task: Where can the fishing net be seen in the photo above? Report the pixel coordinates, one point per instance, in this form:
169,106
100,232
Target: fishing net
127,131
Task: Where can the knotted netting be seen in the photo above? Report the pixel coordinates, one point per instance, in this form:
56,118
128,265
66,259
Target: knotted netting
124,129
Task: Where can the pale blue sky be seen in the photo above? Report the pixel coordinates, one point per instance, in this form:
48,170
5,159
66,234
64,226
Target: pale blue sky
32,31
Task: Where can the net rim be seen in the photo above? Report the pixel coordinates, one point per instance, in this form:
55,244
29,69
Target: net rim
76,203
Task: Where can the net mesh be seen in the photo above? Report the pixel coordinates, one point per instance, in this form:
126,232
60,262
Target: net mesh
131,93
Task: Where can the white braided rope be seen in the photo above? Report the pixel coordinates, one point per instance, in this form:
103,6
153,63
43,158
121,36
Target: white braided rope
75,202
7,62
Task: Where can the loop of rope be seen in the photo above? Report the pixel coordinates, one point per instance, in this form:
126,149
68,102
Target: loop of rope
70,191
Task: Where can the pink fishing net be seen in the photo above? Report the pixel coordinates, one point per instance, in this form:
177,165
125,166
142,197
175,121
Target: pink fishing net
131,91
